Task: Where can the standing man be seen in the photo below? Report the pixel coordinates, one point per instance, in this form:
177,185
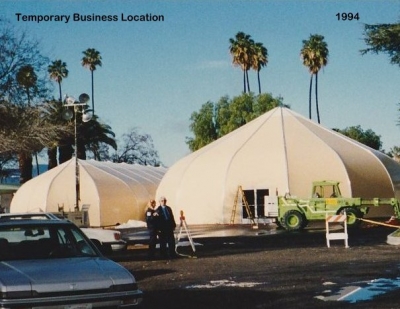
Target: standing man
166,225
152,226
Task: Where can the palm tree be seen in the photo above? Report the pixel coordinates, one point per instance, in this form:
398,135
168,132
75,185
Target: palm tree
91,134
57,71
242,51
314,54
260,59
27,78
91,60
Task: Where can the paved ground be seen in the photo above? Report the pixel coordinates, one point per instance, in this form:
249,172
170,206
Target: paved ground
269,268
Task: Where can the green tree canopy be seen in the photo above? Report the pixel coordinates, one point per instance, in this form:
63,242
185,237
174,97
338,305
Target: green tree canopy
366,137
383,38
215,120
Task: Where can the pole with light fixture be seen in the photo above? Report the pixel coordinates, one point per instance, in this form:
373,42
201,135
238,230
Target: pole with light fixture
86,116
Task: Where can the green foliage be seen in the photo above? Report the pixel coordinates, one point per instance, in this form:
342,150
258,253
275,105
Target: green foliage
383,38
58,71
314,53
215,120
248,54
367,137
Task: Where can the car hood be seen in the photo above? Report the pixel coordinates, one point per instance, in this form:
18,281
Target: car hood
56,275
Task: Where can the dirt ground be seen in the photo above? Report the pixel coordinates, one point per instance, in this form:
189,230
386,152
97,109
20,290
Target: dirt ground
270,270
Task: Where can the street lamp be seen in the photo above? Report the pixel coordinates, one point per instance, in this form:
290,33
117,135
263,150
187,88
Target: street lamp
86,116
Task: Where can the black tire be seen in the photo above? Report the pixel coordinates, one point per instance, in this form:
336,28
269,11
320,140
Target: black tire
294,220
353,215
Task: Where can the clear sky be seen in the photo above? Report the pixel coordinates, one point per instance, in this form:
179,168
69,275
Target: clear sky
155,74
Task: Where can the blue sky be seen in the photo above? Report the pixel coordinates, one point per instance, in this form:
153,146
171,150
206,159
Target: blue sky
155,74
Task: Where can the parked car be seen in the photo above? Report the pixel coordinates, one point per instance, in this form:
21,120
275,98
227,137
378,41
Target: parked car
46,261
110,239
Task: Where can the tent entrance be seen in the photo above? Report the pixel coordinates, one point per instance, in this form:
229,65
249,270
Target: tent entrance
255,199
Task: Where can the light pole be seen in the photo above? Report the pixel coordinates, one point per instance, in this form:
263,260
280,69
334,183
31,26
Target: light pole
86,116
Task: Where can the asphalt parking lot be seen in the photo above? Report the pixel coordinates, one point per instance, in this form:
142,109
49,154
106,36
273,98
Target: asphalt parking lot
269,268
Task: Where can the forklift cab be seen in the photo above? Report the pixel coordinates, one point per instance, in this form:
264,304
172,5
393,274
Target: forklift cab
326,189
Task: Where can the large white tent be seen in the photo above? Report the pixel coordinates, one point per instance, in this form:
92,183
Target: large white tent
116,192
279,152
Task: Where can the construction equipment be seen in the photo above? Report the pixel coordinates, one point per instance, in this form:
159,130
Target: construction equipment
240,192
294,214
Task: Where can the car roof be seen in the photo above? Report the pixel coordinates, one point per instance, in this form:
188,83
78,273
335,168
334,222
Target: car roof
31,218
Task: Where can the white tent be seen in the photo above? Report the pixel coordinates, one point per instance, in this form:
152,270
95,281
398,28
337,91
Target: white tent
116,192
280,151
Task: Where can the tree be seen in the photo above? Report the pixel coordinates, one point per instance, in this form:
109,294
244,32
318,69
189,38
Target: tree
58,71
242,50
91,135
55,117
314,54
216,120
138,148
260,59
367,137
203,126
27,78
25,130
17,51
91,60
395,153
383,38
22,84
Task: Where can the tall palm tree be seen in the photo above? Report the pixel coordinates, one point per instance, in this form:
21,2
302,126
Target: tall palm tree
91,60
314,54
241,49
260,59
57,71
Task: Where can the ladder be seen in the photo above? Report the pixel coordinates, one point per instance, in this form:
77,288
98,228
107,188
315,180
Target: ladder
246,206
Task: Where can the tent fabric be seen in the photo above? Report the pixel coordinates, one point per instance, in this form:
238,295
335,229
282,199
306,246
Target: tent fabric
116,192
279,152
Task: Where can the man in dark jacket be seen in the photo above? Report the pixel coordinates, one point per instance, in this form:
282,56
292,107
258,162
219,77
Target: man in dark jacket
152,226
166,226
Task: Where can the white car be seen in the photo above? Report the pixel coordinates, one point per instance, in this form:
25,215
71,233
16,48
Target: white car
108,238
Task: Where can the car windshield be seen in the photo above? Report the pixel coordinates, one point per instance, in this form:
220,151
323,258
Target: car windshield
41,241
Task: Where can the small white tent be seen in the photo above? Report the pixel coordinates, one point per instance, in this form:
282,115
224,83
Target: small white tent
116,192
280,151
